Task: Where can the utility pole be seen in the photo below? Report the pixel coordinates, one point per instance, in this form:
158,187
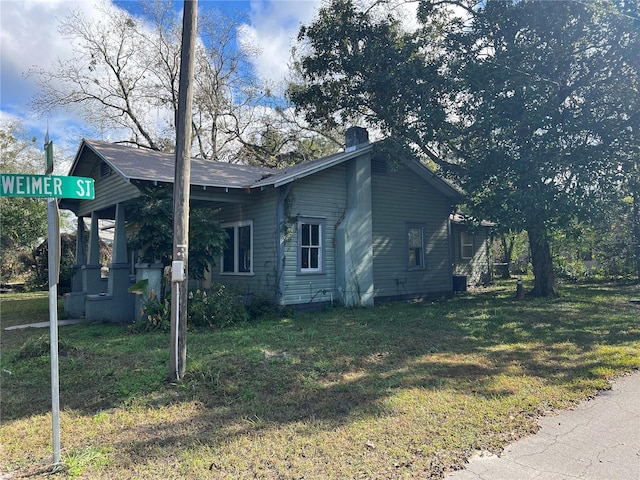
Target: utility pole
181,191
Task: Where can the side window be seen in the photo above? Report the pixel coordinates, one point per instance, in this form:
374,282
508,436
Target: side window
466,245
237,256
415,247
311,245
244,248
228,254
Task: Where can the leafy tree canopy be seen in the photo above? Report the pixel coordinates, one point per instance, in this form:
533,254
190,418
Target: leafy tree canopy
151,224
23,220
531,106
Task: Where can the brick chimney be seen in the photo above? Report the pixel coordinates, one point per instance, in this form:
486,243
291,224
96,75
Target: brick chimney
355,137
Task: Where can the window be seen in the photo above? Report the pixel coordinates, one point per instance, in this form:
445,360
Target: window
466,245
415,242
310,245
237,256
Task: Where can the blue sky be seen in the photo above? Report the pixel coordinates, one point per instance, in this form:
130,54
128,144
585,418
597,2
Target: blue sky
29,37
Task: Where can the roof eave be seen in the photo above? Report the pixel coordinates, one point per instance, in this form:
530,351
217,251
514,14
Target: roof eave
108,162
332,161
436,180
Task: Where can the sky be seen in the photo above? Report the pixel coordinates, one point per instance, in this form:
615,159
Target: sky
29,37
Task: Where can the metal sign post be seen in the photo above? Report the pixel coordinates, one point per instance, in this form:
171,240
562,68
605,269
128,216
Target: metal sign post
53,244
54,264
50,187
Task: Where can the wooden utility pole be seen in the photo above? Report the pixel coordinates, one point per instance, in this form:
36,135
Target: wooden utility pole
181,191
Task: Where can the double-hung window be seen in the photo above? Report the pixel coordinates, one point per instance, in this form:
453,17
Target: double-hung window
466,245
415,247
237,256
311,245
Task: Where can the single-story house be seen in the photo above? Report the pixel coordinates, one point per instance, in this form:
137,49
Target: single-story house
354,228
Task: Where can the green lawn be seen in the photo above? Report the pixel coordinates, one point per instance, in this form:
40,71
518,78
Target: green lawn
21,308
404,390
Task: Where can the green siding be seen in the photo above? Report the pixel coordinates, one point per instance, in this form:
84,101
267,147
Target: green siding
399,198
109,191
354,240
263,214
477,269
322,195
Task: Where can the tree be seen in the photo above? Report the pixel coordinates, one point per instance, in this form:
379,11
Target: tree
38,260
508,243
151,230
152,234
124,77
531,106
553,99
23,220
635,216
279,146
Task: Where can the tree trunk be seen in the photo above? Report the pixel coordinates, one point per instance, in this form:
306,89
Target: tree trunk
545,282
507,249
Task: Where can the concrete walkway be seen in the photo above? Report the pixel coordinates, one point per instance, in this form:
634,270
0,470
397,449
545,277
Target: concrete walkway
61,323
599,440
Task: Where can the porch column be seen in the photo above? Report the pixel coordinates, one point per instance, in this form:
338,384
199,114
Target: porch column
81,257
122,308
117,304
74,301
94,241
120,238
91,282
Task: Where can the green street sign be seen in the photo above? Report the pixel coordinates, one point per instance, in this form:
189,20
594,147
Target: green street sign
48,186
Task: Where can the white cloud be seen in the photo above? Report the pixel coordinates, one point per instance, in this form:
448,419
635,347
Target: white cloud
273,28
29,38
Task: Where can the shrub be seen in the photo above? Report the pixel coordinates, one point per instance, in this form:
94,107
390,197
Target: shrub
217,306
156,316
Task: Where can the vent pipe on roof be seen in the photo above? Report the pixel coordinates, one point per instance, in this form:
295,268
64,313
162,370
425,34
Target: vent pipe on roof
355,137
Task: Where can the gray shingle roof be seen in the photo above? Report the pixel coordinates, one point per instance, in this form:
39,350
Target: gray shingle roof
149,165
144,164
289,174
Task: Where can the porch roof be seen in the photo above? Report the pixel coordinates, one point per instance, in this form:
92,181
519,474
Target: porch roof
150,165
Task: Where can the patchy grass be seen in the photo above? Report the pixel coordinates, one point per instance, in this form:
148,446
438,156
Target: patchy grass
21,308
404,390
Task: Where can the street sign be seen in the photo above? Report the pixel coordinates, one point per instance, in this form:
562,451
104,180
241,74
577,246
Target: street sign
48,186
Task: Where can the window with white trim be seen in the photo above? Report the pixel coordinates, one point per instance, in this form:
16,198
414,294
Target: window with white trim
237,255
415,247
311,245
466,245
